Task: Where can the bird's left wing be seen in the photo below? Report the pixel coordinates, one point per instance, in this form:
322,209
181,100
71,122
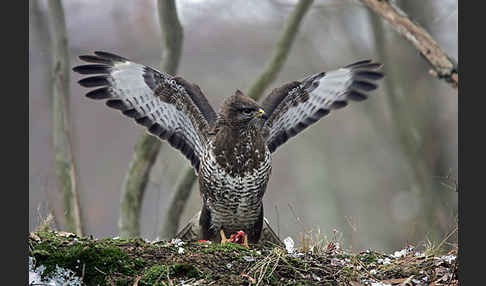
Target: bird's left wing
296,105
169,107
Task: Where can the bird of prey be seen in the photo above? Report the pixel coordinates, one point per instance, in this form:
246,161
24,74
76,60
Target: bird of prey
230,150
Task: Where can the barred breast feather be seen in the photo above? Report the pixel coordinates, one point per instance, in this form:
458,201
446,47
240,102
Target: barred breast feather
235,200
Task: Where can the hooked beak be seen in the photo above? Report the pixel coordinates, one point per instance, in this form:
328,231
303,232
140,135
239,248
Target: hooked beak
260,113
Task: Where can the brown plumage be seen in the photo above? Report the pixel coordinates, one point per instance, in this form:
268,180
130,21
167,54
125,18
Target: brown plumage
229,150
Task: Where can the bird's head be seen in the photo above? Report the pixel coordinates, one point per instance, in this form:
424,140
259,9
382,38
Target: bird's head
240,109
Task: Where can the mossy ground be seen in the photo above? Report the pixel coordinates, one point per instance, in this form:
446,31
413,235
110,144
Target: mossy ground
137,262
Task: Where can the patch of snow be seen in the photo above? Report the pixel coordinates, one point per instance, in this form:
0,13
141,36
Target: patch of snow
248,258
177,242
447,258
419,254
380,284
337,261
289,244
183,283
60,276
315,277
400,253
385,261
297,255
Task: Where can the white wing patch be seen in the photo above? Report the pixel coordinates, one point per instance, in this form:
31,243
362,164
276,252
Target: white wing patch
128,84
325,91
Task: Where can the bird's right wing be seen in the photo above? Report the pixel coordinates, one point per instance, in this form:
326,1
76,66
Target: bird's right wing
169,107
296,105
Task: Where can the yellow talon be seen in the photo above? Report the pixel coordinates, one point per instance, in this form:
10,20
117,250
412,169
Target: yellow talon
223,237
245,242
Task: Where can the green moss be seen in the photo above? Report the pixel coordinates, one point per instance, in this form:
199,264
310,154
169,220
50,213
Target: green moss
369,257
270,278
154,275
292,261
187,270
157,274
124,241
124,282
348,273
226,248
98,260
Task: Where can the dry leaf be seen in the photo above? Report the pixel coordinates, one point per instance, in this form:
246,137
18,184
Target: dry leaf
34,237
408,282
394,281
252,280
66,234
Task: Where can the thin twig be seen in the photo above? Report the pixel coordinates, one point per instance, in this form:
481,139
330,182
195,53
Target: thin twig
278,220
296,217
83,271
99,270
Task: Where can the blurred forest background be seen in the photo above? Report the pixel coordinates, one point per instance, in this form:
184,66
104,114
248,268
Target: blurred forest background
381,172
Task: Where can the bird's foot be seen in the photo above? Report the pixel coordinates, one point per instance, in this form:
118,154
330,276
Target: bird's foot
223,237
245,241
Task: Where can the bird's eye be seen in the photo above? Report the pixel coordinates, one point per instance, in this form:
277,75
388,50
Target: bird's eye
247,110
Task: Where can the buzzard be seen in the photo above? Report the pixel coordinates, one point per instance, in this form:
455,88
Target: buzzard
230,151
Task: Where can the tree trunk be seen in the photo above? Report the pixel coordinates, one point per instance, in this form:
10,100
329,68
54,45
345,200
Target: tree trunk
60,84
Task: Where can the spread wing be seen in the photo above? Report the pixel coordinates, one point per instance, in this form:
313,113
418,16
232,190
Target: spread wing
296,105
169,107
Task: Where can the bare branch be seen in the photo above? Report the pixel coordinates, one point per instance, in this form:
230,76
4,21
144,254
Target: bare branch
63,157
184,187
172,33
443,65
148,147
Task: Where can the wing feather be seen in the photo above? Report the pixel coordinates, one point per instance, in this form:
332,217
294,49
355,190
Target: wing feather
169,107
296,105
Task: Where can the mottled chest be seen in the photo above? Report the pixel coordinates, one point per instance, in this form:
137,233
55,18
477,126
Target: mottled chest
234,199
245,176
239,152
